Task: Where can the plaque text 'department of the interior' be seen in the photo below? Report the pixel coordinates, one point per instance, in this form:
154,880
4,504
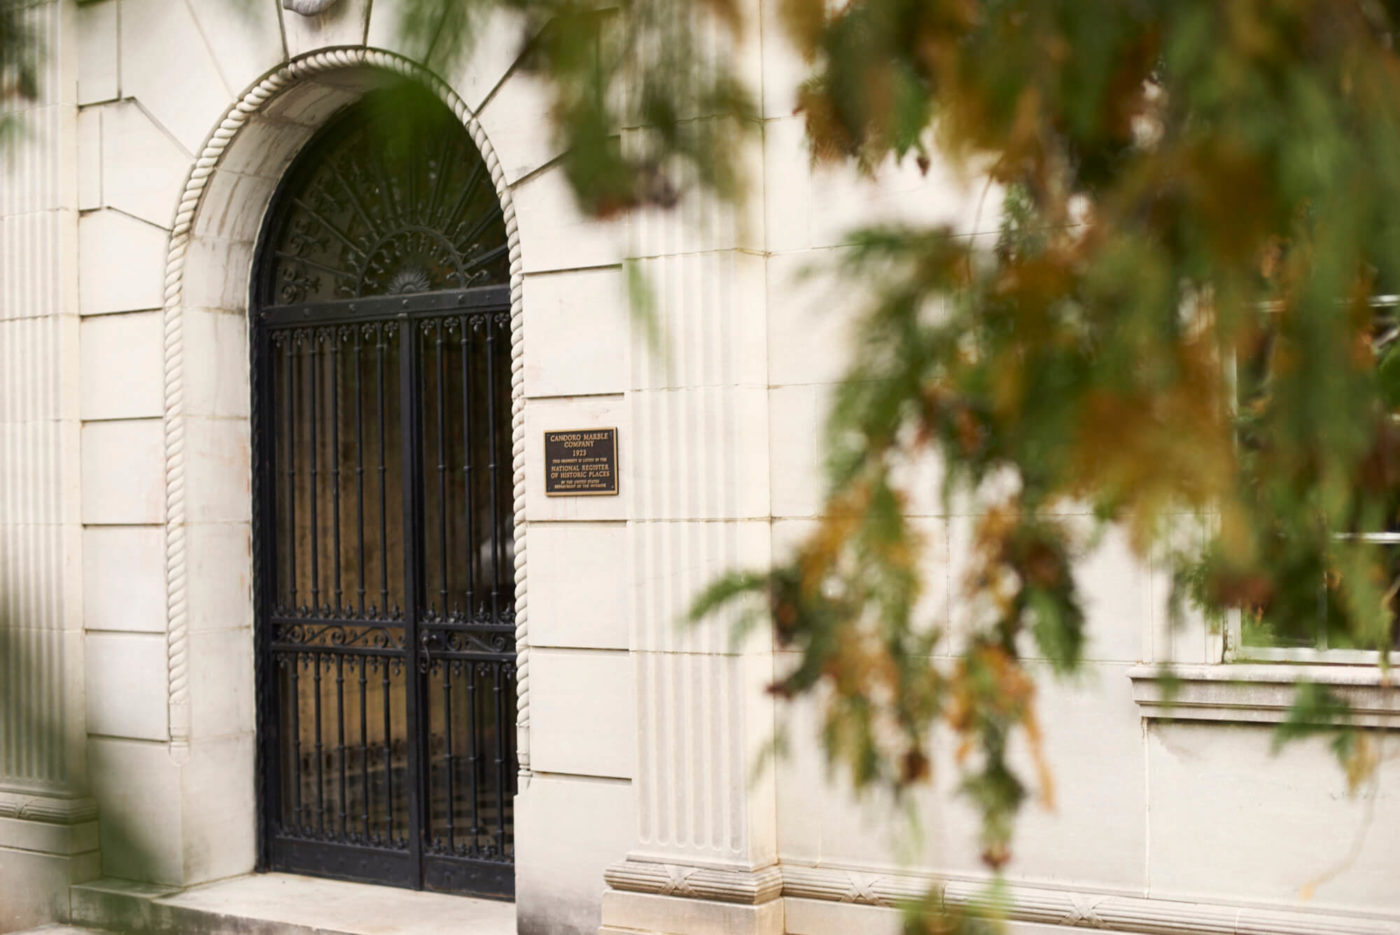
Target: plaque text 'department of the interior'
580,463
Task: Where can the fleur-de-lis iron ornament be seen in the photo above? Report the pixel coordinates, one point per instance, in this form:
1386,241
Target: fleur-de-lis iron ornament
308,7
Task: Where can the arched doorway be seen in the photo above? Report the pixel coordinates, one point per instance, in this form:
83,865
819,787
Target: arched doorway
383,507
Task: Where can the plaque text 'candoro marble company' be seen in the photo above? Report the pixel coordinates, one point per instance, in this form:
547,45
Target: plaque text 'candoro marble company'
580,463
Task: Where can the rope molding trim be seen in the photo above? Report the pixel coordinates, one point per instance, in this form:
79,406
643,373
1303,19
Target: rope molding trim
176,544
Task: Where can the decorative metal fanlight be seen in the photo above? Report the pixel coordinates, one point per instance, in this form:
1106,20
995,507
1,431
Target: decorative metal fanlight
395,205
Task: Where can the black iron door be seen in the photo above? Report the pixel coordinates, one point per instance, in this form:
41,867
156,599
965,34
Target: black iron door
383,496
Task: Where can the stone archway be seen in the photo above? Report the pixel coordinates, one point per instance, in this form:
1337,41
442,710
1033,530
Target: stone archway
206,296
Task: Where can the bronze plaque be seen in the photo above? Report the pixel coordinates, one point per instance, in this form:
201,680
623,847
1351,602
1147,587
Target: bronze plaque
580,463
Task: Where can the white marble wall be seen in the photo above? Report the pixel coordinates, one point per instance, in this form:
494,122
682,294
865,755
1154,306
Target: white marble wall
639,809
170,681
1195,815
175,807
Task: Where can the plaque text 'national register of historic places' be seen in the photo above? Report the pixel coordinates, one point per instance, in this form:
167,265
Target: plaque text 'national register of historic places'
580,463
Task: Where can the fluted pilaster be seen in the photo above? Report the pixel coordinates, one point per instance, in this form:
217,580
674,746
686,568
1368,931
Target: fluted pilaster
699,507
48,837
40,622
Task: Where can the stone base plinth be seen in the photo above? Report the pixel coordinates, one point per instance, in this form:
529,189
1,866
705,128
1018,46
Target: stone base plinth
638,913
46,845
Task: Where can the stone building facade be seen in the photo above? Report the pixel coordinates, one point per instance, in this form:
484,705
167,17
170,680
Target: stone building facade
132,237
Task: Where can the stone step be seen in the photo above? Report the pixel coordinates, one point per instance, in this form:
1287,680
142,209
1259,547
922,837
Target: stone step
283,904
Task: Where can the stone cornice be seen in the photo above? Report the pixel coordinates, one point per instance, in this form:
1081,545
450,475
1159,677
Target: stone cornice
1259,693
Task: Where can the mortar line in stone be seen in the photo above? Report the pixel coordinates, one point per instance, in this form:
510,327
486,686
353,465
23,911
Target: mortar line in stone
136,102
209,50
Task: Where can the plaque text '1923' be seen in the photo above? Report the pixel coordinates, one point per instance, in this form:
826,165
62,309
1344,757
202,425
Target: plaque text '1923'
580,463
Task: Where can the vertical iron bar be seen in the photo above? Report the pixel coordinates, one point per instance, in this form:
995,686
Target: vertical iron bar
320,764
447,731
335,462
272,753
364,751
315,355
360,473
296,741
473,756
467,466
411,429
388,762
492,472
267,762
442,470
380,347
500,762
291,455
340,733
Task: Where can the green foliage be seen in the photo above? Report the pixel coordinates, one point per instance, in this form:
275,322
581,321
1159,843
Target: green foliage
19,64
982,915
1318,710
1315,709
1174,334
1176,321
628,86
32,713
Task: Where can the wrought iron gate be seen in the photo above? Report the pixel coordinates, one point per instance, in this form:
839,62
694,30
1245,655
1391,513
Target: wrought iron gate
383,491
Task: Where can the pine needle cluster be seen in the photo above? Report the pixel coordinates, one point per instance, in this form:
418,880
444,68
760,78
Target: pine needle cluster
1183,331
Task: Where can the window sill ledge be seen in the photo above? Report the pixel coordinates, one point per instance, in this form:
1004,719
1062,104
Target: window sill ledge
1259,693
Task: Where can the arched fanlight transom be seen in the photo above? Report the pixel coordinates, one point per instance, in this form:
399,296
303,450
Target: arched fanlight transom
391,199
